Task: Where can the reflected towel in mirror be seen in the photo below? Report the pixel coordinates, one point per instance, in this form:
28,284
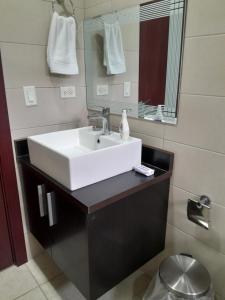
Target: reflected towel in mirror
114,58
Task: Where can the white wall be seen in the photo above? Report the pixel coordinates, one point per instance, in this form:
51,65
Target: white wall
198,140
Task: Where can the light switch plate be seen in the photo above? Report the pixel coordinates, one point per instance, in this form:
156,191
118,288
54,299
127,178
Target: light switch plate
68,91
126,88
30,95
102,90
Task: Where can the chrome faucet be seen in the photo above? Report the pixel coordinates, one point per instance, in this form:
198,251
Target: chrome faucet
105,118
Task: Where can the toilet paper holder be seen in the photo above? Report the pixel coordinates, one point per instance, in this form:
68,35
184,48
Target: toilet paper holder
198,211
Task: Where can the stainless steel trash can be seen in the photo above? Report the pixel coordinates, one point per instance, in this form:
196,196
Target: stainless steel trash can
180,277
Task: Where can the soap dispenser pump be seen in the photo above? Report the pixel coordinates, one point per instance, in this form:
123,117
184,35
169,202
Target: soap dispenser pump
124,126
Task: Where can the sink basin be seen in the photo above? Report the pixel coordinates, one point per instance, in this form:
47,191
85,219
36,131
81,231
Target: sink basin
80,157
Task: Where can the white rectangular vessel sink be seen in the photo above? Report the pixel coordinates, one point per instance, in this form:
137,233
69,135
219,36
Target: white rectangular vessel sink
80,157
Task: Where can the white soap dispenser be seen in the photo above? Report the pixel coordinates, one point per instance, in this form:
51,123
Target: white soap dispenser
124,126
159,113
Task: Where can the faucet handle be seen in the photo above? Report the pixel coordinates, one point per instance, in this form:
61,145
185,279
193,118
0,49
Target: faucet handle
93,115
101,106
105,110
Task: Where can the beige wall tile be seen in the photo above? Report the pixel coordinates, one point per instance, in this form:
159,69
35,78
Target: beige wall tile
147,128
117,91
132,73
205,17
145,1
51,109
99,9
148,140
131,36
26,65
177,216
212,260
28,21
204,66
176,240
199,171
80,34
200,121
24,21
177,210
89,3
77,3
118,4
24,133
142,127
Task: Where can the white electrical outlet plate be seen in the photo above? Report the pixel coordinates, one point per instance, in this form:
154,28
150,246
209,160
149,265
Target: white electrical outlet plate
126,88
30,95
102,90
68,91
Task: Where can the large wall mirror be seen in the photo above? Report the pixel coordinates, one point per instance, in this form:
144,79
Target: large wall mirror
133,60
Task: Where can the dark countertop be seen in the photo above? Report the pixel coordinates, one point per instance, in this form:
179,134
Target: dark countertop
103,193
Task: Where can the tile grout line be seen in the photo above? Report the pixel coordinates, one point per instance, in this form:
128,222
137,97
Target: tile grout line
27,44
189,192
151,136
201,95
195,147
48,125
195,238
204,35
179,143
44,87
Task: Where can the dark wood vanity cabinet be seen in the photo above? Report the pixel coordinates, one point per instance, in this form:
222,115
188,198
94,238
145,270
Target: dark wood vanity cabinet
100,234
38,223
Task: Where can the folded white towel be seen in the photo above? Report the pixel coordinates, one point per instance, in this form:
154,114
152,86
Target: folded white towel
114,58
61,50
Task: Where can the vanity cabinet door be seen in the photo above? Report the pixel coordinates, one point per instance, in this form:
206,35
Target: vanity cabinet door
36,202
70,246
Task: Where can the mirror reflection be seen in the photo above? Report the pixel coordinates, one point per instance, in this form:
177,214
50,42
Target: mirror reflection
133,60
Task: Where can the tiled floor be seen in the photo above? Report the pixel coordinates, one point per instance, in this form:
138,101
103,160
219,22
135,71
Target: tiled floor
40,279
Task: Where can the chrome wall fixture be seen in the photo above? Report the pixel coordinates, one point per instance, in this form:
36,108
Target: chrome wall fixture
62,4
198,211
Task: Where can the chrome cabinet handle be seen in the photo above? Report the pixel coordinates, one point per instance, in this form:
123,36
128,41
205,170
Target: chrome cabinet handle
51,209
42,200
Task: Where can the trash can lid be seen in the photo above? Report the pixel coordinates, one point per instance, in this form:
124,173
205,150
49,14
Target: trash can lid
184,276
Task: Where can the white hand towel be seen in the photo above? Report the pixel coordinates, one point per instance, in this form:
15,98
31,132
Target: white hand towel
61,51
114,58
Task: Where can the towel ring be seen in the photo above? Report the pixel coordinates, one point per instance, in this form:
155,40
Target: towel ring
62,3
73,8
53,5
